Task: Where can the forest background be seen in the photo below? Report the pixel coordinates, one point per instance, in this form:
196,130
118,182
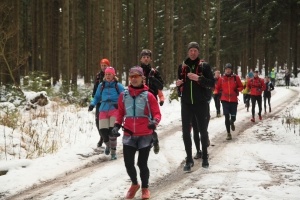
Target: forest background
65,39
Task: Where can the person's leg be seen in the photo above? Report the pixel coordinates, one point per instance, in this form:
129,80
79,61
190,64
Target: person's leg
259,102
247,102
201,112
226,112
113,145
186,117
217,104
253,101
112,139
233,112
208,120
105,132
269,103
143,165
265,103
99,144
196,134
129,155
227,123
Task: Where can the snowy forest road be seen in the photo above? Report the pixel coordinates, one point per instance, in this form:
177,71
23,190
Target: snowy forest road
169,181
177,182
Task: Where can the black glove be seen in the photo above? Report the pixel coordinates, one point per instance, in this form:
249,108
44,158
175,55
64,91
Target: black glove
152,124
115,130
161,103
91,107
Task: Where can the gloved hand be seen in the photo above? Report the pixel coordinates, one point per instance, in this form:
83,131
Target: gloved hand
152,124
91,107
161,103
115,130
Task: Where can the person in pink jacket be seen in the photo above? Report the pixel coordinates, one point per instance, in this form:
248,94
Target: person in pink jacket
139,112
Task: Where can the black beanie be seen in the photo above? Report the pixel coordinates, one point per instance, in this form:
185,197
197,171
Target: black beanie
193,45
228,65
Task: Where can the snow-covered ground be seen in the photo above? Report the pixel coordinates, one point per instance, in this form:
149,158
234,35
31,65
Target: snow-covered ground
261,162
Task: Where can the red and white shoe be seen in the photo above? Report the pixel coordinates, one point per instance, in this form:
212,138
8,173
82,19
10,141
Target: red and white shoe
260,118
252,120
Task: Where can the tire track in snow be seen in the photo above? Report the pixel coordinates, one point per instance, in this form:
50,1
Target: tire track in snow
179,182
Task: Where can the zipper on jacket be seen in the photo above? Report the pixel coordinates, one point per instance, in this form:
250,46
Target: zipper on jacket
134,113
192,86
229,79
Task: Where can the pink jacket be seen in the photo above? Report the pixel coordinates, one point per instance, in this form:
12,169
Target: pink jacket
138,125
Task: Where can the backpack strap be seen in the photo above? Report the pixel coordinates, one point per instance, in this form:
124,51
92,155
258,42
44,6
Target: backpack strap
103,85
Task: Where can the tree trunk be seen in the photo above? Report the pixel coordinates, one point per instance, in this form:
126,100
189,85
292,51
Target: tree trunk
66,76
168,47
150,13
218,39
119,45
88,43
207,33
135,30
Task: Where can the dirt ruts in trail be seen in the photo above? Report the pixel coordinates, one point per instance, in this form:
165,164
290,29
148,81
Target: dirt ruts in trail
176,180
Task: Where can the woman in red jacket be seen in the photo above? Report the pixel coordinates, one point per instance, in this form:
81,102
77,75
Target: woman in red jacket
230,85
139,111
256,86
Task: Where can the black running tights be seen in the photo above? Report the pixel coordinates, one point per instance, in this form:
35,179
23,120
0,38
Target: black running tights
129,154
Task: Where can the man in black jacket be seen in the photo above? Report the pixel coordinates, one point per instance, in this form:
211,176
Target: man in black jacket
196,81
99,79
154,81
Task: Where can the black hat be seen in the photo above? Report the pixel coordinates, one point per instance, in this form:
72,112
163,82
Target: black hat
145,52
193,45
228,65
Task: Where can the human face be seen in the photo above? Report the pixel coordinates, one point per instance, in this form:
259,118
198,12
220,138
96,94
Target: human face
193,53
109,77
228,71
217,74
103,66
136,79
145,60
255,74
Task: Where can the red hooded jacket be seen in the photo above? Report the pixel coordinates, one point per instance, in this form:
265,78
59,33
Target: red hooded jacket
138,125
229,86
256,86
